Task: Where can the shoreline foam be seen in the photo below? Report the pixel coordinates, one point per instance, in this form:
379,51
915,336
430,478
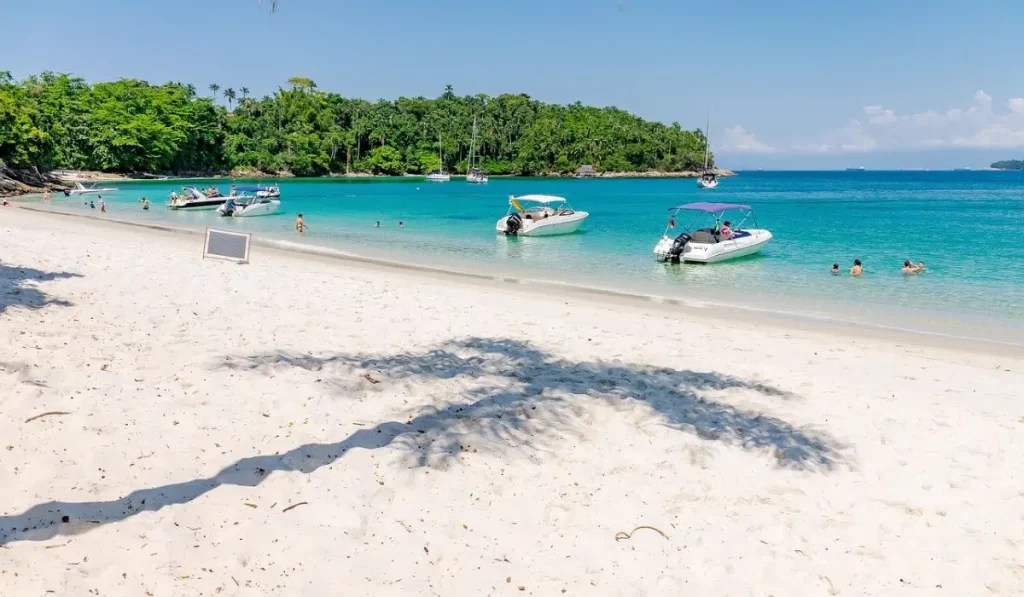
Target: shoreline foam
717,309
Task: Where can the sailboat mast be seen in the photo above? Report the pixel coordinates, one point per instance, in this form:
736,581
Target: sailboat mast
472,145
707,141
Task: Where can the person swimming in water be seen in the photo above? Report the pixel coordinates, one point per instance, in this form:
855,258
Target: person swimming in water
401,224
377,225
835,269
857,268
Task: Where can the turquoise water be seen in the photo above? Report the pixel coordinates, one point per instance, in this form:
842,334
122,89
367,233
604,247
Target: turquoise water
967,226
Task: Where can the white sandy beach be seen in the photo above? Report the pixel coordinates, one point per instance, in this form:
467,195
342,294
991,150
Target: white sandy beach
504,441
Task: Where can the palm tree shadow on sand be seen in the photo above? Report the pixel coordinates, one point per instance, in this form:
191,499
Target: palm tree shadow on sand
510,395
17,287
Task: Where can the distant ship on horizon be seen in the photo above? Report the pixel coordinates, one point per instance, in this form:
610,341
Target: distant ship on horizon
961,169
857,169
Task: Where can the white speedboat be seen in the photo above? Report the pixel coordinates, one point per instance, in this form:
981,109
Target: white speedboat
474,176
81,189
192,198
540,215
708,178
719,242
260,191
249,206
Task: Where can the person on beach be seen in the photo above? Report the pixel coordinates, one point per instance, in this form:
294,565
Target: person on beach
835,269
300,224
857,268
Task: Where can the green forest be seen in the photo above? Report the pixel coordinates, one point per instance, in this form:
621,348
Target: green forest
54,121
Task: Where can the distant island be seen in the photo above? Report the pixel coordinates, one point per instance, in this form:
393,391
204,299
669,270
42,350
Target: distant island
1009,165
132,127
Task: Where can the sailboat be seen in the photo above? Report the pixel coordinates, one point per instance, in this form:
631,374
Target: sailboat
708,179
439,175
474,175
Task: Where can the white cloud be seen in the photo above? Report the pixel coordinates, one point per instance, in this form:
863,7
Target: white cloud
738,140
975,126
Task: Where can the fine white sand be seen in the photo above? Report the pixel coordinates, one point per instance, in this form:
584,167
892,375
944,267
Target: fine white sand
510,437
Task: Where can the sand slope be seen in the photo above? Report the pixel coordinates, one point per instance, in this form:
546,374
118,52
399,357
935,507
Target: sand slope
510,438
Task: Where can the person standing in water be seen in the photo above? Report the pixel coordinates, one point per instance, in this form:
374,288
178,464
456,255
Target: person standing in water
377,225
300,224
857,268
103,205
46,195
401,224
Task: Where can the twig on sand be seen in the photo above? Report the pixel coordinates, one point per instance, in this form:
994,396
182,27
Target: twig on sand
620,535
47,414
370,378
294,506
54,546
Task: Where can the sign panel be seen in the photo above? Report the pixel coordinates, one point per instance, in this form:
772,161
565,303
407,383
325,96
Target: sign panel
232,246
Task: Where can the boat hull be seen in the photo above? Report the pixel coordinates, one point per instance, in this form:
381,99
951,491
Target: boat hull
553,226
476,179
259,209
438,178
707,184
199,205
717,252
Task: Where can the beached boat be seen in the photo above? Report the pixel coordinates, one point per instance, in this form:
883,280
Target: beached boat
540,215
711,244
248,206
708,179
192,198
81,189
439,175
474,176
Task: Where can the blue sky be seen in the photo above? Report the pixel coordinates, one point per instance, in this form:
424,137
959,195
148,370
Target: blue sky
790,83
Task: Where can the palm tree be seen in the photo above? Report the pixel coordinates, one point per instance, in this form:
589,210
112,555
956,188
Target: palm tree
245,92
214,88
191,89
229,94
449,92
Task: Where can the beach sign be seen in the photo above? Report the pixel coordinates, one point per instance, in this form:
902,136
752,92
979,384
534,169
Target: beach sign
231,246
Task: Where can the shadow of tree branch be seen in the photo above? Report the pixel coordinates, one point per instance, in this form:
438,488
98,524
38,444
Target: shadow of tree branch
511,393
14,292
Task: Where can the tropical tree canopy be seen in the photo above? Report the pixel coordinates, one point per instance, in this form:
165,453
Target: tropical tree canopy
56,120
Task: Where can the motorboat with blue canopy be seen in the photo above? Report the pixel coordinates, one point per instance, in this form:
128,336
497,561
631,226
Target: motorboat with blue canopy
721,241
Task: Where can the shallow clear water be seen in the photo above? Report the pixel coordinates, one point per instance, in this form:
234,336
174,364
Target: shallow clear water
967,226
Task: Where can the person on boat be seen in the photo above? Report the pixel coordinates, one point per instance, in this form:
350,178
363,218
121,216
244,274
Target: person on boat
835,269
726,231
300,224
857,268
233,191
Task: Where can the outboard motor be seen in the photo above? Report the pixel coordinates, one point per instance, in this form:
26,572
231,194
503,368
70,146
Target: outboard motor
67,192
513,224
229,208
675,253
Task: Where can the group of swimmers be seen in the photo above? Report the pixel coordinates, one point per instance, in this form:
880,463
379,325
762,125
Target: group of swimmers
300,224
909,267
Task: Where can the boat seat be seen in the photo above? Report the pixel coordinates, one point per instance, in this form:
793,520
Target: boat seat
702,236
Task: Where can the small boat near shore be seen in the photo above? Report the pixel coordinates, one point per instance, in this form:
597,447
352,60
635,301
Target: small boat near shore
542,215
81,189
475,175
439,175
711,244
249,206
192,198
